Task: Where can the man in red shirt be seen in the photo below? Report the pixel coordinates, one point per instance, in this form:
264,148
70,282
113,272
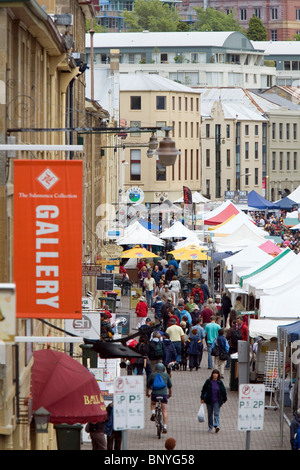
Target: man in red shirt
206,315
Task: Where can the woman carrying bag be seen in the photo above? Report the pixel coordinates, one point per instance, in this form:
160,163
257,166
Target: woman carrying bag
213,394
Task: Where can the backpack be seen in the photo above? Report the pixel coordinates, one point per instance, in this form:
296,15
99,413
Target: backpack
158,383
296,443
236,336
156,351
197,297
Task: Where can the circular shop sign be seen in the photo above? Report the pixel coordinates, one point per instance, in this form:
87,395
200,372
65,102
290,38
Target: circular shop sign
135,195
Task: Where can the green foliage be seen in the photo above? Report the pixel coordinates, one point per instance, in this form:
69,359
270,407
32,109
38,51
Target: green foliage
296,37
151,15
256,30
96,27
214,20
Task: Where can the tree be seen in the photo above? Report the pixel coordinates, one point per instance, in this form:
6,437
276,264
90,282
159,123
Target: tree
211,19
151,15
296,37
256,30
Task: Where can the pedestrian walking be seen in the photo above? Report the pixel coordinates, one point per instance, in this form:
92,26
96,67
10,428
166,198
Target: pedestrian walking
141,311
96,431
214,395
176,335
175,288
211,332
114,438
150,286
223,349
193,349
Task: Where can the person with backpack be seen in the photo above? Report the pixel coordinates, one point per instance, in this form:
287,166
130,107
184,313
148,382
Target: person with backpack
233,335
159,384
198,295
295,431
155,349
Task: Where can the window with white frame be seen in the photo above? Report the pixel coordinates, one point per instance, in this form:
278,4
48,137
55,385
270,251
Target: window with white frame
135,164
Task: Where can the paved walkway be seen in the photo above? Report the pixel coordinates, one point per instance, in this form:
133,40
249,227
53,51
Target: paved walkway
192,435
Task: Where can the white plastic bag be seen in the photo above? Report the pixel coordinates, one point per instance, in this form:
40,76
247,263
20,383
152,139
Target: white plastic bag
201,414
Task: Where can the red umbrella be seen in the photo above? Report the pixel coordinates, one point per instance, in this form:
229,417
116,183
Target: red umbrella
66,389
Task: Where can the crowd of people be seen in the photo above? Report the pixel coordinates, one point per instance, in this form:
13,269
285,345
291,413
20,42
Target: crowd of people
278,226
175,328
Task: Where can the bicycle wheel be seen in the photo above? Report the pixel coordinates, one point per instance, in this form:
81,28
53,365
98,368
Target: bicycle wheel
158,423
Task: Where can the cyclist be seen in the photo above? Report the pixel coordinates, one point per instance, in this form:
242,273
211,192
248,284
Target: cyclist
165,392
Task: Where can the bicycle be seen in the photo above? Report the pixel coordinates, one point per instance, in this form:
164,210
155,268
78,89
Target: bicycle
158,417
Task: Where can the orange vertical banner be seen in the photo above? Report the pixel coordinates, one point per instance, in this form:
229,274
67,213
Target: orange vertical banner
48,238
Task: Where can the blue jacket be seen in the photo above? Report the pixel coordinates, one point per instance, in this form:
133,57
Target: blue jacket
222,342
169,350
193,345
157,307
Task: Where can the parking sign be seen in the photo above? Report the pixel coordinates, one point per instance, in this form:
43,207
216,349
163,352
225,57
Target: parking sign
251,407
129,402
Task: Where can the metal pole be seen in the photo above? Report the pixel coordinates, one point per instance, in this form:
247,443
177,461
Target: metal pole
124,440
248,433
282,385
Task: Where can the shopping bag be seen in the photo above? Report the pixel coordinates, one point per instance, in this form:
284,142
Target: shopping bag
201,414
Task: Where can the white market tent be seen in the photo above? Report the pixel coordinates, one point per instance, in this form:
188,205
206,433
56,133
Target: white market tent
248,277
249,257
287,285
239,239
236,222
280,306
266,328
177,230
197,198
284,276
191,240
218,210
136,234
295,195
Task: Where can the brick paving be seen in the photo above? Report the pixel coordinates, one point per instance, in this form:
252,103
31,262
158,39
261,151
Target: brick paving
192,435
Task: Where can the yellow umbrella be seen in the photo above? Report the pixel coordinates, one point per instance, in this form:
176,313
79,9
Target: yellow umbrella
138,252
190,253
